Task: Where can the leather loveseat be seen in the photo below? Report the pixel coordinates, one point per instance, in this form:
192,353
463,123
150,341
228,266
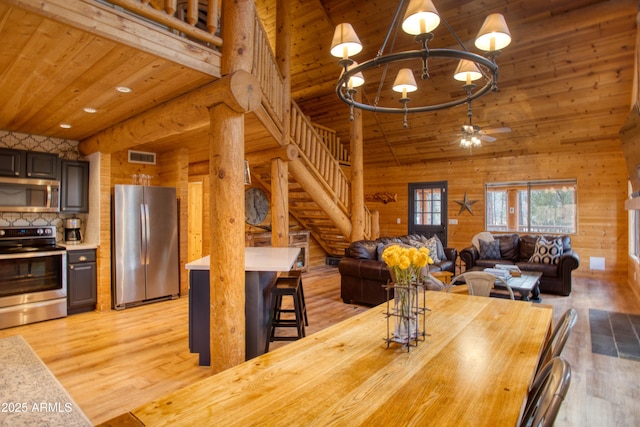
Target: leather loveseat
363,274
518,250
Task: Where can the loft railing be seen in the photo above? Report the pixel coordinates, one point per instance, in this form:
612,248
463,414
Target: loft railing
195,19
331,140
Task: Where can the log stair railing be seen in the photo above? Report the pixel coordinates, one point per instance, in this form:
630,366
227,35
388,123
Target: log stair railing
319,150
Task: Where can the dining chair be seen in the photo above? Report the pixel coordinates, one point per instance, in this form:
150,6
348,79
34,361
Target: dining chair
480,283
555,344
547,394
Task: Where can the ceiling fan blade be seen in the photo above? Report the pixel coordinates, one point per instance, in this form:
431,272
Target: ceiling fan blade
488,138
496,130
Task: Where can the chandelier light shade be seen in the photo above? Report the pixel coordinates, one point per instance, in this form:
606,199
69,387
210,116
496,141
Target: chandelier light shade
494,34
345,42
420,17
405,82
467,71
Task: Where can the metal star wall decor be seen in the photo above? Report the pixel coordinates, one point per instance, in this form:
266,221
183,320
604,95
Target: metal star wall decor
466,204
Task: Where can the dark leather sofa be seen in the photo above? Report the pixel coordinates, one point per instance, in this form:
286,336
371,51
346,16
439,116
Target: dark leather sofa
516,249
363,275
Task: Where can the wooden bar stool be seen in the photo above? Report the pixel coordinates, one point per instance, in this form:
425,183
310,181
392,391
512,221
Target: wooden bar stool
298,274
286,285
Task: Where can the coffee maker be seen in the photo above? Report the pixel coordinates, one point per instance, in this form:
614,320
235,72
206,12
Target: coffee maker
72,234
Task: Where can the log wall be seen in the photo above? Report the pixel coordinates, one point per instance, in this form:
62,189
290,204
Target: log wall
602,190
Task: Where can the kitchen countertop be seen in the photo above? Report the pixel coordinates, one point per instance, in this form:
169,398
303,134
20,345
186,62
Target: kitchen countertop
257,259
79,246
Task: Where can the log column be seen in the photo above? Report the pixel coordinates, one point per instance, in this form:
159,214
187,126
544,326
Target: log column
357,175
226,173
279,168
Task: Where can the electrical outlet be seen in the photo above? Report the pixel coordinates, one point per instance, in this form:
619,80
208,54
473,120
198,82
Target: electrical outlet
453,221
398,221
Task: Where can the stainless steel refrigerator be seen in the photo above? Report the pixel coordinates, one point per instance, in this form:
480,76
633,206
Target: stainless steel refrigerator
145,245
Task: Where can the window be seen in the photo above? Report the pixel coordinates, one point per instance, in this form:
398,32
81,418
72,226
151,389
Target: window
533,207
427,206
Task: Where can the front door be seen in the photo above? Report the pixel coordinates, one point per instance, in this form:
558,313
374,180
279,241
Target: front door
428,209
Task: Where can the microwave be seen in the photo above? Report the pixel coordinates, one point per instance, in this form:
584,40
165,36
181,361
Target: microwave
29,195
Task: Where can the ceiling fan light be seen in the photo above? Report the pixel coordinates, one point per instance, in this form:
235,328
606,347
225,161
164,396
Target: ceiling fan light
405,81
494,34
345,41
421,17
467,71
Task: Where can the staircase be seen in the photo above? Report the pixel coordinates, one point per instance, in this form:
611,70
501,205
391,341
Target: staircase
321,156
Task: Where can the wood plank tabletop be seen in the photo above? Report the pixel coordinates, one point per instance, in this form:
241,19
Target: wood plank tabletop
475,367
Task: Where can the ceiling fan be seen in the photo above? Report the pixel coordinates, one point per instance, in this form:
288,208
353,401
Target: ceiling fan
474,134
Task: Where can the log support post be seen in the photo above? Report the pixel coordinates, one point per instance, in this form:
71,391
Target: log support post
357,176
279,202
226,177
280,168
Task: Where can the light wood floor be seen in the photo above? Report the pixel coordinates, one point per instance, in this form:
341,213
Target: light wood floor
115,361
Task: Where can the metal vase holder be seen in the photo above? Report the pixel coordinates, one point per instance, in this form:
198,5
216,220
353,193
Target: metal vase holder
409,318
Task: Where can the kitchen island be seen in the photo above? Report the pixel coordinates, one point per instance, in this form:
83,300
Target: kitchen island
261,265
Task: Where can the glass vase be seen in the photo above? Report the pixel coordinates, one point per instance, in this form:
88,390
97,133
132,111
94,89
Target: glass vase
405,318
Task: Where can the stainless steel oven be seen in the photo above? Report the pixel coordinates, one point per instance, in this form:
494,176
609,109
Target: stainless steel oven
33,276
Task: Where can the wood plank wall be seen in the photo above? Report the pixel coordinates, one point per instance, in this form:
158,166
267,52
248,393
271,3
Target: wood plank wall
602,190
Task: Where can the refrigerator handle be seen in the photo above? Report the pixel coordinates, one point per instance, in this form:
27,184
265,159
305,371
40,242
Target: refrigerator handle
148,232
143,236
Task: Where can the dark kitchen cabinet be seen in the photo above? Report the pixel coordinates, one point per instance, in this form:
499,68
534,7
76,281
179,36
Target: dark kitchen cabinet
81,281
74,194
12,162
29,164
43,165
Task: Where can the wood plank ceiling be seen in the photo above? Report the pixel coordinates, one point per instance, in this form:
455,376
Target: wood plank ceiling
565,80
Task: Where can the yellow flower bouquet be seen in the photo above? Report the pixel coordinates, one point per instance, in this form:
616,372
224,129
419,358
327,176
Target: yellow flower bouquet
406,263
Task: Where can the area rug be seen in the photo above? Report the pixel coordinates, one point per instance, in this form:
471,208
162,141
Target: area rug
30,395
615,334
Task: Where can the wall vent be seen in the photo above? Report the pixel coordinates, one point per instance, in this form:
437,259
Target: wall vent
142,157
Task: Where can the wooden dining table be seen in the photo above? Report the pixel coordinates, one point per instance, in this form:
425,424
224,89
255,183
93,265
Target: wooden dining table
474,368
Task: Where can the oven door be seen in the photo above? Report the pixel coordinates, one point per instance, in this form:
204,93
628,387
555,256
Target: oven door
29,277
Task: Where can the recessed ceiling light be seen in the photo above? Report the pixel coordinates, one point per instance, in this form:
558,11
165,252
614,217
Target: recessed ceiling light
123,89
90,110
65,125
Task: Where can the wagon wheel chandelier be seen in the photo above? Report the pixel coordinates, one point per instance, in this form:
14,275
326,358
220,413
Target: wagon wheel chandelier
420,19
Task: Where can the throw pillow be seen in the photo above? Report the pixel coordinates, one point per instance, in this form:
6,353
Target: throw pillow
547,252
489,250
432,245
441,255
485,235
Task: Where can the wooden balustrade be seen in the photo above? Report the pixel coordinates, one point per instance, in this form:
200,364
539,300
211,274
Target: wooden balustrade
312,147
180,16
266,70
331,140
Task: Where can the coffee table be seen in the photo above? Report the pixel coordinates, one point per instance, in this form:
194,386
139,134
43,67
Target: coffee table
525,285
